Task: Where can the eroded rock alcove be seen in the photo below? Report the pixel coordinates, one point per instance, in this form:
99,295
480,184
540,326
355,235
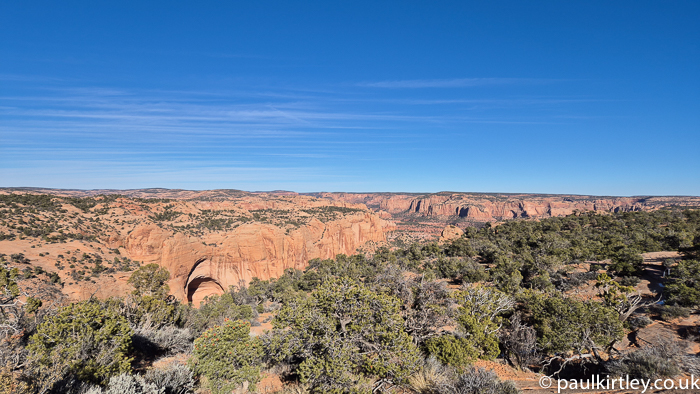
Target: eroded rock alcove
210,264
200,283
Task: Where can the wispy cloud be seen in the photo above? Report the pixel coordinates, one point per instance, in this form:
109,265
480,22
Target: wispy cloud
448,83
69,134
102,109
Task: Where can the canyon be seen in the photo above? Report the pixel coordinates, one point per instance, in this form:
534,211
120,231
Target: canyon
495,206
211,240
423,216
208,241
201,266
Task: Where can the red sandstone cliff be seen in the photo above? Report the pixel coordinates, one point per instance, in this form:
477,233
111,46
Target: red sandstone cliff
488,207
251,250
208,240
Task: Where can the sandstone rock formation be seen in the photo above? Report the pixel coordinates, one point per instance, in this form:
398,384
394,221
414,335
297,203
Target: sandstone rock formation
208,240
422,217
449,233
491,207
200,268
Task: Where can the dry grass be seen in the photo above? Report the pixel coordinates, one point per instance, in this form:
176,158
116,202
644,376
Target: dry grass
431,375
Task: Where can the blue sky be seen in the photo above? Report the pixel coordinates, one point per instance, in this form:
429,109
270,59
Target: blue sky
589,97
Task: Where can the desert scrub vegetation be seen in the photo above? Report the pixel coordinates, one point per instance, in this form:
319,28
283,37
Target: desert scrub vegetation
478,381
208,220
174,379
84,339
664,358
228,357
30,202
565,324
434,377
478,316
413,319
328,213
683,288
343,331
150,280
168,214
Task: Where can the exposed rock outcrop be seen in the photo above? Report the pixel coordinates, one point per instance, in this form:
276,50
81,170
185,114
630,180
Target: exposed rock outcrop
490,207
205,266
449,233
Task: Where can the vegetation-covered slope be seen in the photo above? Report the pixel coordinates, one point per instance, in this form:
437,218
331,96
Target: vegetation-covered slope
550,296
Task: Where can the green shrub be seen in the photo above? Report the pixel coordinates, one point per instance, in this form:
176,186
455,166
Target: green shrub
627,263
228,357
154,311
631,281
569,324
425,305
33,305
85,339
541,281
452,350
479,317
28,273
8,284
343,334
459,247
10,383
683,287
670,312
474,272
506,274
215,311
150,280
638,322
460,268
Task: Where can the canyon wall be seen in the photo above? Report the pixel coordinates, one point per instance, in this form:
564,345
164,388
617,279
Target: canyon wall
490,207
209,265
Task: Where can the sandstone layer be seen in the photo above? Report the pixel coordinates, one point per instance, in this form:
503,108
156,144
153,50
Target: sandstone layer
449,233
200,268
208,240
491,207
423,216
